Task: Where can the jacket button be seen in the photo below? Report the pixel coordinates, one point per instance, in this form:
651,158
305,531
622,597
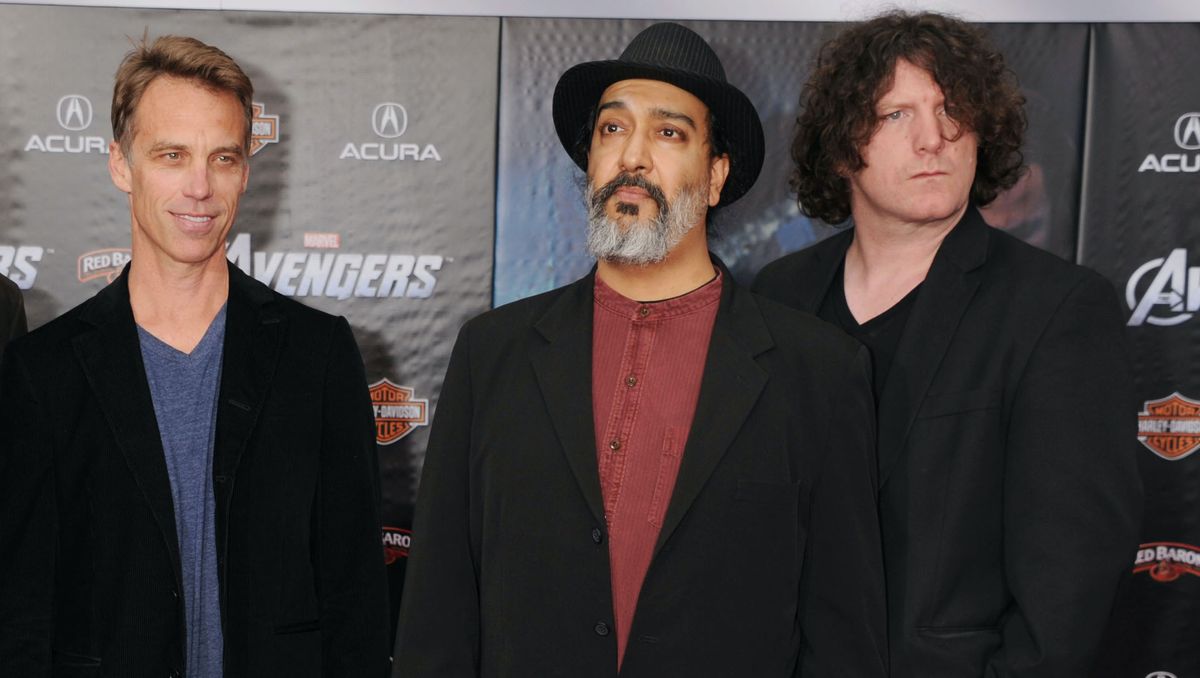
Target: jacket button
174,594
597,535
220,479
614,445
601,629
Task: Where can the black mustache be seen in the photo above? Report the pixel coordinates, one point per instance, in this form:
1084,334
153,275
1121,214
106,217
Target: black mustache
635,181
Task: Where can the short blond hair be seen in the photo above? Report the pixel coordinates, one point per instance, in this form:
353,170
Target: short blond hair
179,57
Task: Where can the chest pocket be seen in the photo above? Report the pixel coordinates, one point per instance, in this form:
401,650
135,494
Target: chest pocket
956,402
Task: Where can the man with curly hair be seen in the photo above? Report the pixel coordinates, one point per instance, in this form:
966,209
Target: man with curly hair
1009,496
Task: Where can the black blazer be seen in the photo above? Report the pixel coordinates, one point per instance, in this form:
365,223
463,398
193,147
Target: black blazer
12,313
768,562
89,560
1009,491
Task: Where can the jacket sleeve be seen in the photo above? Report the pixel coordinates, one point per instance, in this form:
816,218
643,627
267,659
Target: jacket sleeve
439,628
351,577
28,526
843,617
1073,505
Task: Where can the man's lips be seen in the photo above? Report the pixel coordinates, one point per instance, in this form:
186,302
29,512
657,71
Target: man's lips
929,173
630,193
193,220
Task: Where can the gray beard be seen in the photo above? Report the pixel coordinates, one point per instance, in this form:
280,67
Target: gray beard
643,241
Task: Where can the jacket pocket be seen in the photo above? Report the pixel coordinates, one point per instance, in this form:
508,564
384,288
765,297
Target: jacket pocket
955,402
299,627
952,632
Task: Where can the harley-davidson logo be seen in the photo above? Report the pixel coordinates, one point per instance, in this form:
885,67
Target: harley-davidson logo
397,412
264,129
1170,427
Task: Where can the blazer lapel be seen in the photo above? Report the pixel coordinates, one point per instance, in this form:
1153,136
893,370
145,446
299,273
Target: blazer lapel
111,360
944,296
729,387
814,281
254,331
563,366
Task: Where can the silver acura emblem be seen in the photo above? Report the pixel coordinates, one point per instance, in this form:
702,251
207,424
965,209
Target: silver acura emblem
74,112
390,120
1187,135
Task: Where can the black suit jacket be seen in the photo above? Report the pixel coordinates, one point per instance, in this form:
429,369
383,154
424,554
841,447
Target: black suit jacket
89,560
768,562
12,313
1009,492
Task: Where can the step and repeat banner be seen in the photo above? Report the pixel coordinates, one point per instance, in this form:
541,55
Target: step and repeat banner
406,175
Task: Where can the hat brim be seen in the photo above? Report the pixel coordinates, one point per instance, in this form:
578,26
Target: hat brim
579,90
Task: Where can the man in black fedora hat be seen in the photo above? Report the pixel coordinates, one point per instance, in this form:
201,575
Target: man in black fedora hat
649,471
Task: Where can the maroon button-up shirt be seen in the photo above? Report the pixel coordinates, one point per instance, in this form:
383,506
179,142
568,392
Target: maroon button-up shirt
647,360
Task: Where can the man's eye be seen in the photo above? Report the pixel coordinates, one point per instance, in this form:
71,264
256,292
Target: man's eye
670,133
611,128
171,155
894,115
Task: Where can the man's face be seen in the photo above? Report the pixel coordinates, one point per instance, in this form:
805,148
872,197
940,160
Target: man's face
919,164
185,171
651,174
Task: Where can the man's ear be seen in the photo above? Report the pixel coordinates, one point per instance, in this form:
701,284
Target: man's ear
718,172
118,168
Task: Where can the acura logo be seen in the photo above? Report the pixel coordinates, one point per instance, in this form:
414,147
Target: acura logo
74,112
1160,674
390,120
1187,135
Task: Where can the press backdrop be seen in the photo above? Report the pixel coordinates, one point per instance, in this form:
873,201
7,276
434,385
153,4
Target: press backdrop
406,175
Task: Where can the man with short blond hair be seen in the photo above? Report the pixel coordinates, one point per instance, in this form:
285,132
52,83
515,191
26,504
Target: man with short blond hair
189,483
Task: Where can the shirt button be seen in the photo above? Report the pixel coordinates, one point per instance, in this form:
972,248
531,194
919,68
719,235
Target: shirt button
597,535
614,445
644,311
601,629
631,381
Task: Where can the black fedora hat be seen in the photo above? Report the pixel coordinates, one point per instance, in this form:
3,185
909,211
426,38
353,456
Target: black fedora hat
676,55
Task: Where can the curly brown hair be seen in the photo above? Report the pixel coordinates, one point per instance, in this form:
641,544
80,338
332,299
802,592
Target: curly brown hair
856,68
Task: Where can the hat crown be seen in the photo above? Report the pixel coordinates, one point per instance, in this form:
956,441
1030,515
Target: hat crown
669,45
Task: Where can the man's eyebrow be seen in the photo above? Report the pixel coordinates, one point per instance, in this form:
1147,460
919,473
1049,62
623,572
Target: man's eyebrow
615,103
167,146
231,149
668,114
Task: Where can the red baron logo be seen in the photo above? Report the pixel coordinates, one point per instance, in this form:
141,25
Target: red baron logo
397,412
322,241
1170,427
264,129
1167,560
105,263
396,542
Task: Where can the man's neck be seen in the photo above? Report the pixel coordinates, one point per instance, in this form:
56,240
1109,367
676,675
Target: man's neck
177,302
886,261
686,268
